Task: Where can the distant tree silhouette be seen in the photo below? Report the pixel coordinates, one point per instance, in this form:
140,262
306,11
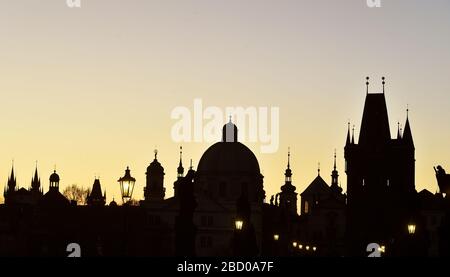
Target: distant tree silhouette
74,192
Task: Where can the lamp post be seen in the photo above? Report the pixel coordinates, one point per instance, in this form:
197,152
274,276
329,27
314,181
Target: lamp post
126,190
126,186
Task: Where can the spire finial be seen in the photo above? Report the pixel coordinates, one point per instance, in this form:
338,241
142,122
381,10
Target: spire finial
230,118
383,82
367,85
289,158
318,169
156,153
334,167
181,152
407,111
353,134
190,167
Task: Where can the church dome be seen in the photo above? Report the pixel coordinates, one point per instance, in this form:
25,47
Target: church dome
155,166
224,157
54,178
228,166
229,155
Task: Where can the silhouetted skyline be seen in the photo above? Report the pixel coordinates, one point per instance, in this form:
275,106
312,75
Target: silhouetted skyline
90,90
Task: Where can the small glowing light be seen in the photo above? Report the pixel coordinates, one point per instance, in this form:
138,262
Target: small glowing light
276,237
314,248
411,229
294,244
238,224
307,247
300,246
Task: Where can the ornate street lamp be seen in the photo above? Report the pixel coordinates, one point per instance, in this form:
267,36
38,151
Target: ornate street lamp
239,224
411,228
126,186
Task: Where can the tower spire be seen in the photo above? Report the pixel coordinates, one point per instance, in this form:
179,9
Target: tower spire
353,134
347,142
334,166
407,134
383,82
318,169
334,175
367,85
180,170
399,136
12,182
288,172
289,158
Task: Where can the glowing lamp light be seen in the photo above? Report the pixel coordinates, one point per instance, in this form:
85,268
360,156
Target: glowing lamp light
126,186
276,237
238,224
411,229
294,244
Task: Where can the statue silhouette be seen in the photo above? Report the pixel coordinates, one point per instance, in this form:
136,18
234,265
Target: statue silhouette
443,179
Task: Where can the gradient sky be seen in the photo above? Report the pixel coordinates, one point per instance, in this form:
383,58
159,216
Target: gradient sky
91,89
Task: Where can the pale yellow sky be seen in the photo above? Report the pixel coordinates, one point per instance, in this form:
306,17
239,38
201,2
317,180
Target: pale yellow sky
91,89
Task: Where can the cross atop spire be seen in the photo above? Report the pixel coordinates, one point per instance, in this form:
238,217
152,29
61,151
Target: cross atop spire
156,153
